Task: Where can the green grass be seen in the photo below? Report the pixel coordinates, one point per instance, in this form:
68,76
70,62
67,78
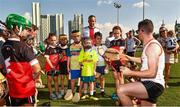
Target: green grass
170,96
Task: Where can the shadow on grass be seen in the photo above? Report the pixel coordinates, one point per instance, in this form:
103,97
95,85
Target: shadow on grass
175,84
43,94
110,85
88,102
174,77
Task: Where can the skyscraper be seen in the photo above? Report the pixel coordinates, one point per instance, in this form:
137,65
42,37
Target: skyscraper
36,18
51,24
76,24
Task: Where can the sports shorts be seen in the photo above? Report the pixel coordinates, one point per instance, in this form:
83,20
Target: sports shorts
154,90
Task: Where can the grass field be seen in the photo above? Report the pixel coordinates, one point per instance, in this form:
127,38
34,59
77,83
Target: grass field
170,97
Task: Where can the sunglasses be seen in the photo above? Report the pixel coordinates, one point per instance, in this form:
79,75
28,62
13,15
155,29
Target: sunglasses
162,30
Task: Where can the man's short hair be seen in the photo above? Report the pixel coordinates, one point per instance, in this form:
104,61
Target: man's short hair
146,25
91,17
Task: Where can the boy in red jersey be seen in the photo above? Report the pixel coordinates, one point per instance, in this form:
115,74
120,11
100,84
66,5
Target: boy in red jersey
119,44
52,66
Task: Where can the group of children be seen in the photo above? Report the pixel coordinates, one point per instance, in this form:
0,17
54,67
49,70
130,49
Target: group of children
82,59
77,60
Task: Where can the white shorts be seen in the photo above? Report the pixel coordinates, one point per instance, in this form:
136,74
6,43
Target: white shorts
169,58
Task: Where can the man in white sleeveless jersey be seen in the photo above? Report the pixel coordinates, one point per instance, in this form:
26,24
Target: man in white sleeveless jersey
151,85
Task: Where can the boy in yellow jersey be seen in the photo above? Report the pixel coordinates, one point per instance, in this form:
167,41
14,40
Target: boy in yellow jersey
88,59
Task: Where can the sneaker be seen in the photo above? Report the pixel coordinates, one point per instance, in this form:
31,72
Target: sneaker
102,93
94,98
53,96
59,96
98,85
114,97
176,60
37,101
166,86
94,93
85,97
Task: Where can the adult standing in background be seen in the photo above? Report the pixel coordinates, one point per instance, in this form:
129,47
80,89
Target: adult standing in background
169,56
90,30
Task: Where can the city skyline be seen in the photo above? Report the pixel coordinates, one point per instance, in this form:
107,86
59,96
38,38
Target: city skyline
51,24
130,12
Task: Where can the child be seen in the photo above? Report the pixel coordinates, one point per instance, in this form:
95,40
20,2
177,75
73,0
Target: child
51,66
171,43
63,60
119,44
73,53
88,59
98,47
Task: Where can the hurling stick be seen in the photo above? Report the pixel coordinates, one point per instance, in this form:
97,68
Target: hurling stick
76,97
69,94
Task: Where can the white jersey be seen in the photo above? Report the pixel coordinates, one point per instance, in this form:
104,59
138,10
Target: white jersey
108,41
161,63
86,31
101,61
131,44
171,42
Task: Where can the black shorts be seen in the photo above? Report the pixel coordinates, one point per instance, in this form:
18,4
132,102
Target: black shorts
154,90
116,64
53,73
131,53
100,69
22,101
63,68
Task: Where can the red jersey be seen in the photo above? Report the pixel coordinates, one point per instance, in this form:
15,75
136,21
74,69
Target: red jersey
118,44
89,32
53,54
63,53
18,60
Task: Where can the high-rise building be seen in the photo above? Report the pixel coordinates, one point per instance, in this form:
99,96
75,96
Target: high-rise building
76,24
44,30
177,29
51,24
36,11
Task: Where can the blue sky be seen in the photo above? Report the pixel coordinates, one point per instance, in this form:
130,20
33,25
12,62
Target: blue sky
130,12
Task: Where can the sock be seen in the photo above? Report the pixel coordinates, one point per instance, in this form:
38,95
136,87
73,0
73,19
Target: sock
91,93
85,92
62,92
94,90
